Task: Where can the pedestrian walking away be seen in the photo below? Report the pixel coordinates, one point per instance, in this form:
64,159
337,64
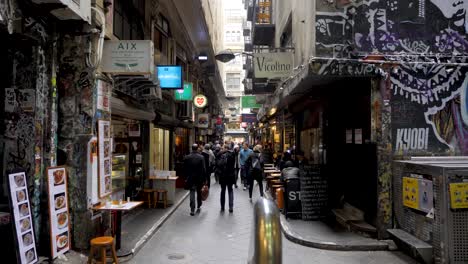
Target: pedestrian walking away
236,164
227,177
255,164
209,163
195,177
243,156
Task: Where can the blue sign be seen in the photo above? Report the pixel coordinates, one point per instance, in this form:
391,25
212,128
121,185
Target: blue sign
170,77
249,118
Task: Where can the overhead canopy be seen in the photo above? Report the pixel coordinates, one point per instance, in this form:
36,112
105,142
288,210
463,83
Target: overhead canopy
120,108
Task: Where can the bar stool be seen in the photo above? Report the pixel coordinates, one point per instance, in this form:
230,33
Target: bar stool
149,197
280,198
163,199
102,243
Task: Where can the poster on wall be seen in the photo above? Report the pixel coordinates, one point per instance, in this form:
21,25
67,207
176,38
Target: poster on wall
58,211
103,95
426,195
459,195
105,158
410,192
22,218
134,130
93,196
203,120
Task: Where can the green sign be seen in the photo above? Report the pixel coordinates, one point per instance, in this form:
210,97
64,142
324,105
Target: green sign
250,102
185,94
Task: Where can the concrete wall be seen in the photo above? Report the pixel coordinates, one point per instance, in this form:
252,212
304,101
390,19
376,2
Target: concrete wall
428,114
302,14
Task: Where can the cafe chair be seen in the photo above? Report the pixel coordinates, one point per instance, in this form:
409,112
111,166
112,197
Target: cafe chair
150,199
102,243
161,199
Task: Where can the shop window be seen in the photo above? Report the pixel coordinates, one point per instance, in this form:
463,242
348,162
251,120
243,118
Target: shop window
127,19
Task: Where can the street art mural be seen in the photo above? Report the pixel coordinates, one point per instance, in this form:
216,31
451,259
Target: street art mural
425,39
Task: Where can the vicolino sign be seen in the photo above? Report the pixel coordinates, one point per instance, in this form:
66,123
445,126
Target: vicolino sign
273,65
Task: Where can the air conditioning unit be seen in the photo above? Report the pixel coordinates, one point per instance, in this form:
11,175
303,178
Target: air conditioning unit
71,10
151,92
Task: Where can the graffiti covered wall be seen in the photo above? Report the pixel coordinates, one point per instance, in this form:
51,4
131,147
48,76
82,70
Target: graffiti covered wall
428,99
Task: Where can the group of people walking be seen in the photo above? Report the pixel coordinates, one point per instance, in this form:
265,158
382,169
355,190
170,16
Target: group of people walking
225,162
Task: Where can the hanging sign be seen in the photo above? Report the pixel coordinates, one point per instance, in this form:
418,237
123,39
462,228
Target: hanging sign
250,101
185,94
128,56
58,211
200,101
22,218
273,65
105,161
203,120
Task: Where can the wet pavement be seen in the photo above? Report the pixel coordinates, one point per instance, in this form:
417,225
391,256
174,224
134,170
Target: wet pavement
214,237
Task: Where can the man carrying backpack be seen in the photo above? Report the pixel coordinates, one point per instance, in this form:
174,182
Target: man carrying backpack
227,177
255,164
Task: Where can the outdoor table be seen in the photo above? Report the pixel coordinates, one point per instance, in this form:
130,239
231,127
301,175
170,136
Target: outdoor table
126,206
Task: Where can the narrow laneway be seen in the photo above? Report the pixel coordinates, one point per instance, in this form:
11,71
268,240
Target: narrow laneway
213,237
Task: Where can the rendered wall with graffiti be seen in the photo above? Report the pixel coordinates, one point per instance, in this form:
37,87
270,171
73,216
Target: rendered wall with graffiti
428,100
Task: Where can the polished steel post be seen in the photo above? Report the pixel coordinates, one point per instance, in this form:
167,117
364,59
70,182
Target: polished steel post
265,242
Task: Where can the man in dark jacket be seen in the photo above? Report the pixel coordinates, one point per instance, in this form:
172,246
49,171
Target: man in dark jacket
255,164
227,178
194,166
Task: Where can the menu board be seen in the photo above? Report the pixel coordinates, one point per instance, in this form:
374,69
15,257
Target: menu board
105,156
22,218
459,195
58,211
314,193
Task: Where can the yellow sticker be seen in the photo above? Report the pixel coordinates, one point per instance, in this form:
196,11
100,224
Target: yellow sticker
410,192
459,195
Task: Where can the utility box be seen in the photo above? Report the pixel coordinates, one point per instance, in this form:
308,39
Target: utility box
430,197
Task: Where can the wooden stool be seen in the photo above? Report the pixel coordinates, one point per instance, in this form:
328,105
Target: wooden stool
280,198
162,199
149,197
273,190
102,243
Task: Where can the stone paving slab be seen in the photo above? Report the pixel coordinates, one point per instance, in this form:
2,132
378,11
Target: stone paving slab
212,237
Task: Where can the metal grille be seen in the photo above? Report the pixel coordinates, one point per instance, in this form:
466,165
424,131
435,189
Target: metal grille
460,237
436,184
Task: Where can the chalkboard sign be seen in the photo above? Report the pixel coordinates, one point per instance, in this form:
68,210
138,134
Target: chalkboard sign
293,206
314,193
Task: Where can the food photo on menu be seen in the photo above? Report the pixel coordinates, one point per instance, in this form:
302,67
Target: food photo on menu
60,201
106,131
107,167
23,209
30,255
21,196
20,181
27,239
25,224
107,184
62,241
106,149
59,177
62,220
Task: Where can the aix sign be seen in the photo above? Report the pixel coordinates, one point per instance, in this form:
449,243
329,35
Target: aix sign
273,65
128,57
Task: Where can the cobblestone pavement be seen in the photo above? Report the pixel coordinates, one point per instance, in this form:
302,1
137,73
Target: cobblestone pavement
213,237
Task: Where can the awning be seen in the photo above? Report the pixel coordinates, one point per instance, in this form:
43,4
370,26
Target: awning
120,108
166,121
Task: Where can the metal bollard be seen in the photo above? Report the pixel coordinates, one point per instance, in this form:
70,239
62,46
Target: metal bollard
265,242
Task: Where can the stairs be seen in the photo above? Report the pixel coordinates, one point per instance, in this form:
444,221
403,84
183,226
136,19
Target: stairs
353,219
412,245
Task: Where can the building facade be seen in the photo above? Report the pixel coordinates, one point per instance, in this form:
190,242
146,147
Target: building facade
372,82
57,88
